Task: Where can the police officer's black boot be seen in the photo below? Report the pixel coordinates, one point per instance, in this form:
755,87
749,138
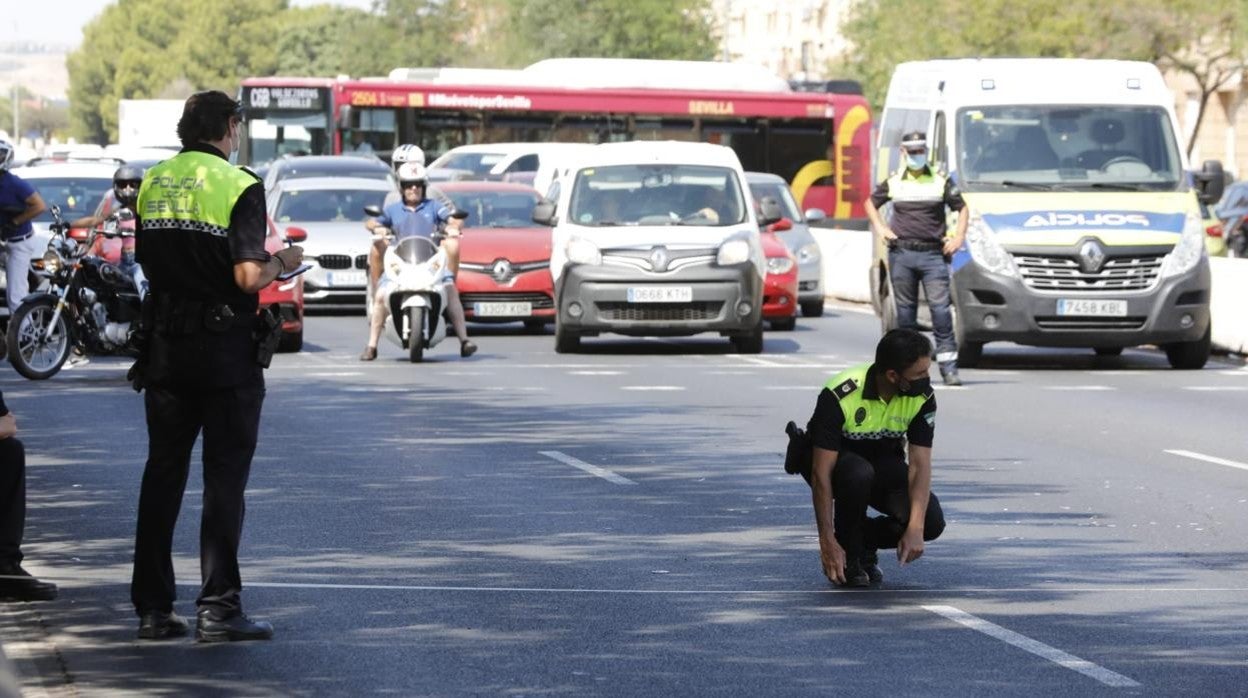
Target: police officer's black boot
855,576
16,584
235,628
871,565
158,625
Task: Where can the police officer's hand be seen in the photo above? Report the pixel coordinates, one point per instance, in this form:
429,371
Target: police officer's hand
910,547
952,245
888,233
832,555
290,257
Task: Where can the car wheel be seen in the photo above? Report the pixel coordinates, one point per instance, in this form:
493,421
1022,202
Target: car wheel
566,341
785,325
291,342
1189,356
751,343
970,354
812,308
534,326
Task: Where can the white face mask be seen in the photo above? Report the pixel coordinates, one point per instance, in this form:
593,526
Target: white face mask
916,161
236,139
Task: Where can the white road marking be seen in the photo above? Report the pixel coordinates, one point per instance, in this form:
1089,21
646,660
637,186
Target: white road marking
1236,372
595,373
332,374
1218,388
1069,661
587,467
654,388
788,387
759,361
1076,388
1208,459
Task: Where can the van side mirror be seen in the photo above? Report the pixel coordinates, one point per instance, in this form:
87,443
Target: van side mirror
815,215
374,211
296,235
544,212
769,211
1210,182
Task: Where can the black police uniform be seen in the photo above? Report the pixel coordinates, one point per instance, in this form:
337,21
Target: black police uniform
201,372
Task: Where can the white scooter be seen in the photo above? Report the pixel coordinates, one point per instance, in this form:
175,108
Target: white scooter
416,279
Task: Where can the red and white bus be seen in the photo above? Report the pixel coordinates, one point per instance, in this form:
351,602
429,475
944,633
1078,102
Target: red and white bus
817,141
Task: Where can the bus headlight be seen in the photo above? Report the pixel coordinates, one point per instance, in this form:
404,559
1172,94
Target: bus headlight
986,251
582,251
1188,252
736,251
779,265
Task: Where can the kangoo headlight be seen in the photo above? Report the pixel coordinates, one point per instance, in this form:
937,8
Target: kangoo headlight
733,252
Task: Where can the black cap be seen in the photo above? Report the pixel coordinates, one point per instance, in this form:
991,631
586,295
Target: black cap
914,140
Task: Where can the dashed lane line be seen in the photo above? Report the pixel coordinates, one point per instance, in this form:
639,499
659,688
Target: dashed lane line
1062,659
1218,388
588,467
1208,459
654,388
1080,388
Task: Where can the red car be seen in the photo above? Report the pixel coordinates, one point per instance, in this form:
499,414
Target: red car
780,286
504,258
288,295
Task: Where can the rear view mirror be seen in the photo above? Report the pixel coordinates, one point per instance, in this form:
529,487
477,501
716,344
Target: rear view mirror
544,212
459,214
296,235
1210,182
374,211
815,215
769,211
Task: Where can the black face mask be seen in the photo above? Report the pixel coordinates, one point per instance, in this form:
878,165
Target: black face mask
916,388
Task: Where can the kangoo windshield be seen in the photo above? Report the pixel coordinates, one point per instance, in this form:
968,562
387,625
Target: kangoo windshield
629,195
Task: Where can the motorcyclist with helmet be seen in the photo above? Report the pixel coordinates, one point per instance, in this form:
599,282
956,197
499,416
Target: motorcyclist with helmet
126,181
416,214
19,205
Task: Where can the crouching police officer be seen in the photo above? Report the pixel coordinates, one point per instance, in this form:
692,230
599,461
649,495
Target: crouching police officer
200,239
861,419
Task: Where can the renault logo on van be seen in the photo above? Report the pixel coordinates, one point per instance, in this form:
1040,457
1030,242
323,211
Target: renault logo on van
659,259
1091,257
1054,219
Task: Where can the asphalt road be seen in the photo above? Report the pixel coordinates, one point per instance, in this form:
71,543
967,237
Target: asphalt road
618,523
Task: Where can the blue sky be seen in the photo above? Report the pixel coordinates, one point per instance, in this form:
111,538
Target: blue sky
61,21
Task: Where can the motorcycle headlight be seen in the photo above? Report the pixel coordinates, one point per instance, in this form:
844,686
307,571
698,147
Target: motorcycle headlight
733,252
808,253
582,251
1189,250
51,262
986,251
779,265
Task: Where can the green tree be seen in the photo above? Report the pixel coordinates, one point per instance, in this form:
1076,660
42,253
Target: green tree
324,41
176,43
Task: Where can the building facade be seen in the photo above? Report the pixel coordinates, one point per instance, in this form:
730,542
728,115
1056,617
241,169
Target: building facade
793,38
1223,131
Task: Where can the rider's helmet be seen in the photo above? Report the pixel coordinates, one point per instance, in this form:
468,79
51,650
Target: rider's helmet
412,173
6,155
126,181
408,152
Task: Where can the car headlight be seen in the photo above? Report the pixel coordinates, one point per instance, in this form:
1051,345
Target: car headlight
808,253
582,251
733,252
779,265
986,251
1189,250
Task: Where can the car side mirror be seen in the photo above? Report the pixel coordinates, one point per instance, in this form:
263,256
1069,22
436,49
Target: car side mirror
296,235
769,211
781,225
374,211
1210,182
544,212
815,215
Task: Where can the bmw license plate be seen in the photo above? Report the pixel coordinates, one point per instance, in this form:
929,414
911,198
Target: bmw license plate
1091,307
660,294
345,278
502,309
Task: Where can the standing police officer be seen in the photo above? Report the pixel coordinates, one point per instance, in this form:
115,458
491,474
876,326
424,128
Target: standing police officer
917,247
200,240
865,421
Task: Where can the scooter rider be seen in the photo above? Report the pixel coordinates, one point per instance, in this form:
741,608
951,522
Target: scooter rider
415,215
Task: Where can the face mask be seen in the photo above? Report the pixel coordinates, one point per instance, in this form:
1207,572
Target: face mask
916,161
914,388
235,141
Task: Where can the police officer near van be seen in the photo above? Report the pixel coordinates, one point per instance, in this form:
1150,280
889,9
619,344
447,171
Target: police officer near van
918,249
200,230
853,454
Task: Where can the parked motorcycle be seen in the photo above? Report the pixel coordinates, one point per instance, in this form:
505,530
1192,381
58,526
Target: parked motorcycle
417,280
90,304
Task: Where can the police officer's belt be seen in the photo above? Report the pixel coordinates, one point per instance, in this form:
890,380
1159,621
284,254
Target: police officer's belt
918,245
188,316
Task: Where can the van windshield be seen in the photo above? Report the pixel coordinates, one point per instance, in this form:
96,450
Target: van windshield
1067,147
621,195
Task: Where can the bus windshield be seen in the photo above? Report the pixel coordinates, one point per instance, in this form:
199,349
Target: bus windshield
269,139
1067,147
622,195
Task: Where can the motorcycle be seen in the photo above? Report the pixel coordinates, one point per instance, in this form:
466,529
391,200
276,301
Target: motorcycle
417,282
90,304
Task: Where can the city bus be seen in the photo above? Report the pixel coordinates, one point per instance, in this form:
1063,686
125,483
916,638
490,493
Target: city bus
817,141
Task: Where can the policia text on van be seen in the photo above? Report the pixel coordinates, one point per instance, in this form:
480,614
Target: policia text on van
1085,228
